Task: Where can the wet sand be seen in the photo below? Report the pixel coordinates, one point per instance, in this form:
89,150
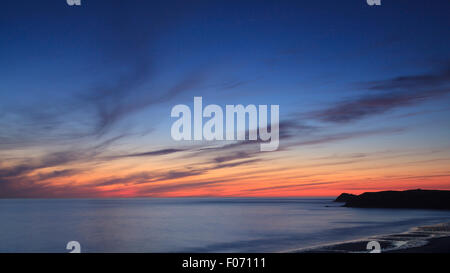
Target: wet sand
435,245
423,239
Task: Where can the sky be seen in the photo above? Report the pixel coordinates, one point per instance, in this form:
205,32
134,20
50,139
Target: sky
86,94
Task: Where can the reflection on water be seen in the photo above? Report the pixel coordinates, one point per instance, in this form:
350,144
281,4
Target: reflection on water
193,224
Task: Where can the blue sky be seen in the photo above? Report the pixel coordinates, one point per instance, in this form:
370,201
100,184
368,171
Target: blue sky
77,77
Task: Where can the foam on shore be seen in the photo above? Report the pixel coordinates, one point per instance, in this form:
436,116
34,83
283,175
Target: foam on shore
415,237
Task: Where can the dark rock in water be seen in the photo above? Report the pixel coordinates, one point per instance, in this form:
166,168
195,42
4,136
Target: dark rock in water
344,197
414,199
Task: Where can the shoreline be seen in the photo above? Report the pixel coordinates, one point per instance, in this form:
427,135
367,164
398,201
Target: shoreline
420,239
434,245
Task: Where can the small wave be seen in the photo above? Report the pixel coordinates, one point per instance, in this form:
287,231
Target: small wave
415,237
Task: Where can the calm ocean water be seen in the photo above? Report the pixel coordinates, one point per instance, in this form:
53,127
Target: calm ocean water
194,224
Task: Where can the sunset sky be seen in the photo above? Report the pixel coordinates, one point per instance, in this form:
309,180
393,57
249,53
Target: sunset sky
86,94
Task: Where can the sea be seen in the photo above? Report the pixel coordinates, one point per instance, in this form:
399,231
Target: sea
218,225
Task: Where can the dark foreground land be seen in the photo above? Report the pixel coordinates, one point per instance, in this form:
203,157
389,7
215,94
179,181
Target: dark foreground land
436,245
413,199
424,239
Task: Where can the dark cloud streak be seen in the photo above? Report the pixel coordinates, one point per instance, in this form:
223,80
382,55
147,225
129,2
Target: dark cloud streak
395,93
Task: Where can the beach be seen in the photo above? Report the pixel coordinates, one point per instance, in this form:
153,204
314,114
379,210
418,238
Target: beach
421,239
436,245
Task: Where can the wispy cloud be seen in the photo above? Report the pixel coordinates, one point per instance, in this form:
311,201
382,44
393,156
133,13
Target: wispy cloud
345,136
152,153
394,93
